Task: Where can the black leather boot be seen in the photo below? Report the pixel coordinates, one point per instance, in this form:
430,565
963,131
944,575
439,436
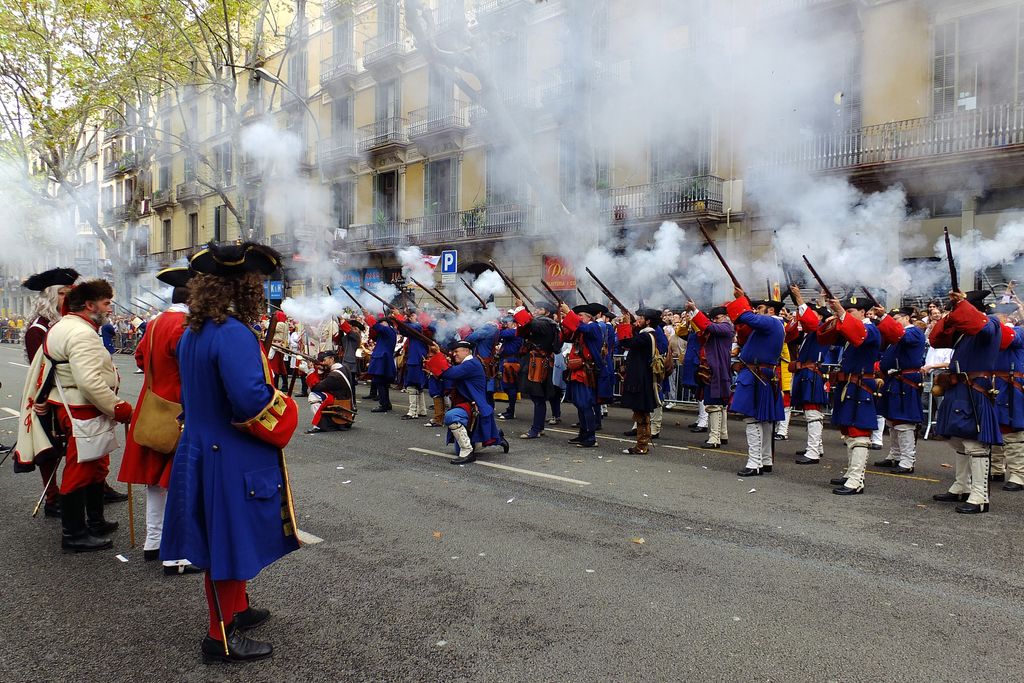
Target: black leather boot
240,648
98,526
75,536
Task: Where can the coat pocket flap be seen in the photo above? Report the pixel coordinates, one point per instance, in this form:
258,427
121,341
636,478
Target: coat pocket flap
263,484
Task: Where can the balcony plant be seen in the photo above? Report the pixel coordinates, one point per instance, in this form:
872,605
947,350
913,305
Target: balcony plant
474,218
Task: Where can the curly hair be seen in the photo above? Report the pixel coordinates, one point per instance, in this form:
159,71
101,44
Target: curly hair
212,297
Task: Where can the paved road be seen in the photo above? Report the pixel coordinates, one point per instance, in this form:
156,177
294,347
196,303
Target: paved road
436,572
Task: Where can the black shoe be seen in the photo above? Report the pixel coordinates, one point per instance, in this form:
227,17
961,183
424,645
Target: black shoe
748,472
586,444
804,460
697,430
251,618
85,543
463,461
1012,486
691,426
766,469
875,447
631,432
52,509
725,442
181,569
948,497
504,445
240,648
972,508
656,436
315,430
847,491
102,528
407,416
802,451
369,397
886,462
780,437
903,470
997,477
151,555
112,496
837,481
708,444
381,409
576,439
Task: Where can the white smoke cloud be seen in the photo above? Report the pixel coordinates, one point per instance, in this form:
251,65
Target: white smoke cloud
312,310
414,266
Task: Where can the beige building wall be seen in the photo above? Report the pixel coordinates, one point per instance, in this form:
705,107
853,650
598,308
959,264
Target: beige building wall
897,64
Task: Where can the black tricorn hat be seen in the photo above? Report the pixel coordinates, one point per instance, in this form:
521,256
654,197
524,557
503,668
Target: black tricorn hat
717,311
177,276
589,309
324,355
909,311
235,260
49,278
770,303
653,315
855,302
460,344
976,297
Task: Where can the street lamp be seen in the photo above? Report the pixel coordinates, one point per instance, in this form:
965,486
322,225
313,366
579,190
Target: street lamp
263,74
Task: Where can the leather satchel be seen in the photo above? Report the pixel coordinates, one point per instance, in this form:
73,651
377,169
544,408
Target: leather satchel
156,422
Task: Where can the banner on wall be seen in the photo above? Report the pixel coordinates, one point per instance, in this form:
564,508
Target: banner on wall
558,274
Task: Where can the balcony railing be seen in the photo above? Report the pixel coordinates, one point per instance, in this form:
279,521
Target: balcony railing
188,191
486,8
339,8
384,132
383,48
337,67
117,214
482,222
988,128
450,14
125,163
696,195
163,198
522,97
336,150
438,118
380,234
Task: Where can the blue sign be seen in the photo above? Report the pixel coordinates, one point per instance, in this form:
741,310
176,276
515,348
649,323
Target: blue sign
373,276
449,262
350,280
273,290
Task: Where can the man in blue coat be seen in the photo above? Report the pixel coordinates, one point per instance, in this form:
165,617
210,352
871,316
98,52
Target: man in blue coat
713,373
854,386
900,403
757,396
807,391
229,504
382,368
968,414
471,418
606,375
1010,401
585,363
484,340
509,365
415,377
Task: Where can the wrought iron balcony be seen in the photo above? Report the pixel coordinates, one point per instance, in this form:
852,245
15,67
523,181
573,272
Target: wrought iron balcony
517,99
438,118
693,195
978,130
118,214
339,69
494,9
482,222
384,50
382,234
188,191
383,133
162,198
337,151
339,9
125,163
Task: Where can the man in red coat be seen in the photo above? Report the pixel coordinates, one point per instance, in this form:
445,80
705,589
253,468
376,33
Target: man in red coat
156,355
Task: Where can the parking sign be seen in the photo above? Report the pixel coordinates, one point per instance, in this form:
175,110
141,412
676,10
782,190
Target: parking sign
449,262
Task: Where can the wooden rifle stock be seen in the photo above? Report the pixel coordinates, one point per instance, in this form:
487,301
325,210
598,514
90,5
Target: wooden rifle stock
611,297
558,299
821,283
680,288
434,295
483,304
871,298
582,295
513,287
721,259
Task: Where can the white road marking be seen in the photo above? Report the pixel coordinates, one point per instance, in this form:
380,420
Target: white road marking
12,417
20,365
543,475
10,411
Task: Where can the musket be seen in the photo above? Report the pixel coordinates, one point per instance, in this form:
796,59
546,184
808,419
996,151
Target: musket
516,289
871,297
401,324
145,307
289,352
447,298
126,310
582,295
155,294
558,299
821,282
433,295
350,296
680,288
472,291
953,279
540,292
611,297
721,259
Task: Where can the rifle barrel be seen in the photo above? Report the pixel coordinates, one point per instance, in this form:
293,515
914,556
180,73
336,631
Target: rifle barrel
871,297
824,287
516,289
386,304
680,288
359,306
558,299
954,280
433,295
721,259
473,292
582,295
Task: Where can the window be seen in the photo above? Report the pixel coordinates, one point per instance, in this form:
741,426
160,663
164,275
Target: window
439,187
568,172
686,154
504,180
193,229
387,100
224,163
220,223
440,95
342,34
341,198
190,168
341,118
385,196
975,62
167,235
164,177
387,22
297,74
